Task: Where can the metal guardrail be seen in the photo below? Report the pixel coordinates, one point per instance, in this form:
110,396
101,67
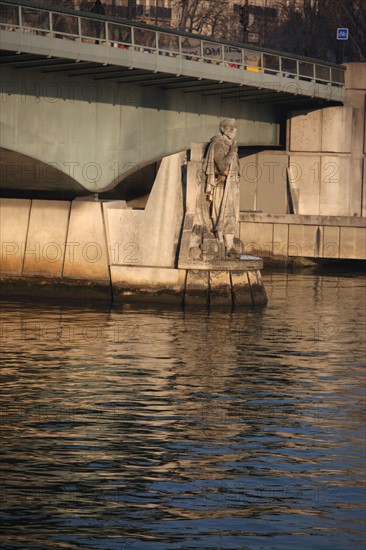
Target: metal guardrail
72,25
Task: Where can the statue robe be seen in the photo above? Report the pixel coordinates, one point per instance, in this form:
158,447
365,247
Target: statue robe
221,170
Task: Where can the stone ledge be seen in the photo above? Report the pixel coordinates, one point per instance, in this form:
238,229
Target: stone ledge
148,284
248,263
297,219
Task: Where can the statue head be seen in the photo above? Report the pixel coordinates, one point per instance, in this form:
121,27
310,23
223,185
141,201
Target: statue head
228,127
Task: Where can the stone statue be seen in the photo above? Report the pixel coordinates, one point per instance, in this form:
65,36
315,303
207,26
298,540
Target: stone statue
217,205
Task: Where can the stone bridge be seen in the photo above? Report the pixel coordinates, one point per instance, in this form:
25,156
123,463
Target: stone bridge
88,100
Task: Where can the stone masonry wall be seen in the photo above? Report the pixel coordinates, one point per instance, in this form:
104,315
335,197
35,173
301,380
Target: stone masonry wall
324,161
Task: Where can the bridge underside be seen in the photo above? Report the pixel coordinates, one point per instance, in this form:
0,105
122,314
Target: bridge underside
148,78
97,114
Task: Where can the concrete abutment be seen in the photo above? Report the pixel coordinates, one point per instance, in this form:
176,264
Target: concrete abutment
114,252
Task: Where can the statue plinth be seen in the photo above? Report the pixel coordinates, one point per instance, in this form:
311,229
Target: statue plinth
216,275
243,263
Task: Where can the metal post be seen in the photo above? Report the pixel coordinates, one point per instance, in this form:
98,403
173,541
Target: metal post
131,9
244,19
265,23
20,18
133,38
79,27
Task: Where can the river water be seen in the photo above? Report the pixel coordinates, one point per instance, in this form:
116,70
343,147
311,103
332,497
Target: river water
159,429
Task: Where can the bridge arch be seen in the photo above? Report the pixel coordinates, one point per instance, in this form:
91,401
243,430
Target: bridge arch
22,173
97,142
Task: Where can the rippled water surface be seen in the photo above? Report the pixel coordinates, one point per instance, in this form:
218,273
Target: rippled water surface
145,428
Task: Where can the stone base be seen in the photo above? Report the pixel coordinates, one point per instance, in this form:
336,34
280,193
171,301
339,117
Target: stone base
183,287
189,287
148,284
62,249
70,291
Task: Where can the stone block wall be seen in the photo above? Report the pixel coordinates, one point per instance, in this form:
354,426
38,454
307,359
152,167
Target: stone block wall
281,237
323,166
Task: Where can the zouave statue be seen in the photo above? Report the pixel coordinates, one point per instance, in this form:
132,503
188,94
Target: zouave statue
217,205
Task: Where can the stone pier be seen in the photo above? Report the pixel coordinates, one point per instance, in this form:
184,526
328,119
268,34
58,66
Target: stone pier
118,253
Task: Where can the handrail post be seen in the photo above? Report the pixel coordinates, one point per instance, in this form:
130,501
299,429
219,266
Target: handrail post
20,16
51,23
79,27
132,37
106,33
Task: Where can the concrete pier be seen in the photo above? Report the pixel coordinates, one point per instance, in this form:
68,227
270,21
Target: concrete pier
118,253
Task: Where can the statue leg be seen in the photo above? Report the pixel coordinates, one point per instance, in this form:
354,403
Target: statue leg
219,236
233,246
229,245
215,211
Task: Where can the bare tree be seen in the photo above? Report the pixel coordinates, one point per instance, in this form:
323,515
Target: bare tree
352,14
309,27
203,16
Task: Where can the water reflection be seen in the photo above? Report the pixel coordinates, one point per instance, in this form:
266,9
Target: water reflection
150,429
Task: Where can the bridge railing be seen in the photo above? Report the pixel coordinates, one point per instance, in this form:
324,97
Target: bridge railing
19,17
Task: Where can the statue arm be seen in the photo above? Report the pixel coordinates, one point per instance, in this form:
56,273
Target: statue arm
223,160
219,160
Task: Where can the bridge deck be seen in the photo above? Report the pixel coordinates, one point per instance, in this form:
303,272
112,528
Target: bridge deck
78,44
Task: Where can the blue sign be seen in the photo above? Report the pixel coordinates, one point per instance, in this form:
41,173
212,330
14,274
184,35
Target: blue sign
342,34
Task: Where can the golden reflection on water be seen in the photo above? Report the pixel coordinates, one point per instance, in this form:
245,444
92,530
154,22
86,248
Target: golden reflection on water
131,417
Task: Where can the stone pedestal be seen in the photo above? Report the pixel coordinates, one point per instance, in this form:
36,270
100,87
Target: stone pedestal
213,278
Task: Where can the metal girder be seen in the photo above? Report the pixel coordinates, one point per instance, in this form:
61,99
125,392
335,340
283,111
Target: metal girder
268,99
100,70
17,58
132,75
247,93
205,88
67,67
169,79
224,89
282,98
141,78
44,62
196,83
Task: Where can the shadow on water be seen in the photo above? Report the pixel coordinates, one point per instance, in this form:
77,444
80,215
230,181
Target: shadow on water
318,266
159,428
